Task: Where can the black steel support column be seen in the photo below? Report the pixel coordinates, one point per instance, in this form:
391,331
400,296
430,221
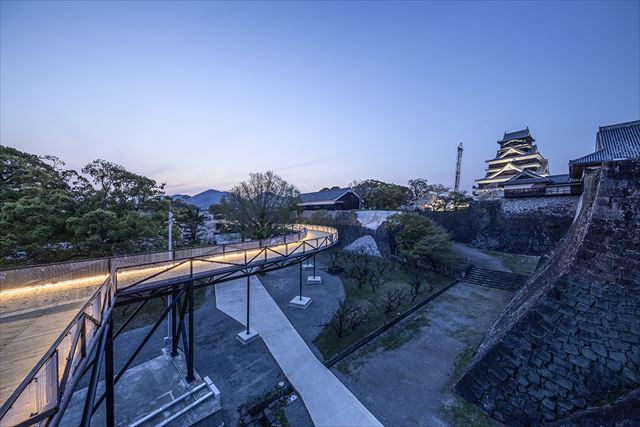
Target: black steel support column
108,377
314,265
300,281
174,337
138,348
190,376
95,379
248,299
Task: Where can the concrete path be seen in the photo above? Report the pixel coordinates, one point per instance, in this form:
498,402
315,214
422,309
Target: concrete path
328,401
477,257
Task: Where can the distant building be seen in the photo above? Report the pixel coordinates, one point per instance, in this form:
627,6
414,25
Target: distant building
338,199
517,154
614,142
531,184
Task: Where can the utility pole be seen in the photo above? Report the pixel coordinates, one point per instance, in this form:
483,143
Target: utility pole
456,186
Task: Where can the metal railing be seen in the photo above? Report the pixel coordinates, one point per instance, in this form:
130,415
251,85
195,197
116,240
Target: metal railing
38,395
95,269
48,388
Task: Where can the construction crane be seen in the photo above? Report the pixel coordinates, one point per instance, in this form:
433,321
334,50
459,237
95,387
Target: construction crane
456,186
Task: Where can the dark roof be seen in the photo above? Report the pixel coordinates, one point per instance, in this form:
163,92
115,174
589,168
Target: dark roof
325,196
520,134
620,141
528,177
561,179
525,177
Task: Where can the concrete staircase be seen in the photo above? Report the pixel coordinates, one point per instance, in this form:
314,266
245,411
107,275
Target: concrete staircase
494,279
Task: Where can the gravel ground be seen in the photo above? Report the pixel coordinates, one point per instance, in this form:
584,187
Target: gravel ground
243,374
297,415
404,376
283,285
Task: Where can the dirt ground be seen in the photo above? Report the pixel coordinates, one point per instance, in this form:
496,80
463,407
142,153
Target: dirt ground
405,376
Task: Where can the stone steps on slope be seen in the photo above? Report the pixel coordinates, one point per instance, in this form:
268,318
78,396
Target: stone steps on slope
495,279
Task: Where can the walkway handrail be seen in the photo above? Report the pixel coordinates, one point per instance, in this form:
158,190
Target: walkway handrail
40,394
38,274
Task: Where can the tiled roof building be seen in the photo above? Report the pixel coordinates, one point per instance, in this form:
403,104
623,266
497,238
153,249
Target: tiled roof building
614,142
336,199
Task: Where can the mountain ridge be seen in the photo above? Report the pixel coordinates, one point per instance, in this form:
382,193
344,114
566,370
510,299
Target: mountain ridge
202,200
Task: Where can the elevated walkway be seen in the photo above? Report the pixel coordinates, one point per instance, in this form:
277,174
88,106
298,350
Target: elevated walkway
46,391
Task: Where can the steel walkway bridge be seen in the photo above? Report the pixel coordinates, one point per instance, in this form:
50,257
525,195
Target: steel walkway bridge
86,344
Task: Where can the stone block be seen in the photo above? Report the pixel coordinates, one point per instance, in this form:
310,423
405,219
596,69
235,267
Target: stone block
246,338
580,402
314,280
579,361
549,404
599,349
300,302
586,352
618,356
570,349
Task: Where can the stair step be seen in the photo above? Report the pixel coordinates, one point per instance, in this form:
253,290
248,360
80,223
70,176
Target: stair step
495,279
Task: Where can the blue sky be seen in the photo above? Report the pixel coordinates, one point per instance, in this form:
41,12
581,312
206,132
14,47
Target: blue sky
198,95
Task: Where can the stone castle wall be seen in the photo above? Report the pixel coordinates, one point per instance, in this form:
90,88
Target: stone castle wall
569,340
530,226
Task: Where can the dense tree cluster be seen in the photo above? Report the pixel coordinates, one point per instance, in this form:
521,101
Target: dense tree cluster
49,213
381,195
419,242
418,194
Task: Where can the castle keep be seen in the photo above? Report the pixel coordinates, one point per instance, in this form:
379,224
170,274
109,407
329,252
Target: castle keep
517,153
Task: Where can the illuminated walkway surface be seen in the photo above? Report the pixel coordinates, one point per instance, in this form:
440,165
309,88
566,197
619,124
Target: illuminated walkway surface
25,338
328,401
32,319
128,276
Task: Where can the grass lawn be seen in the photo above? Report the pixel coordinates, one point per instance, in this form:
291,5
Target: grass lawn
519,264
329,343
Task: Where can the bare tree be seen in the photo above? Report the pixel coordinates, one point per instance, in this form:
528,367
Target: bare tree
359,267
347,317
419,191
261,205
379,274
394,300
415,280
336,258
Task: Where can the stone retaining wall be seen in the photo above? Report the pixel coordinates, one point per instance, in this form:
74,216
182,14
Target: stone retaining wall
570,338
531,226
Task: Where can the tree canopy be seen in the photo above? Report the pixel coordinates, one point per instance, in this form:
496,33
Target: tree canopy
261,206
49,213
381,195
419,241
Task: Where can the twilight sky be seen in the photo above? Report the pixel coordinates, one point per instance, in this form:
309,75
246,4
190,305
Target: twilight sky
199,94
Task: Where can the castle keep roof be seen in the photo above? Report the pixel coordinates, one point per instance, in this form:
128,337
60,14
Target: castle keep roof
519,134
